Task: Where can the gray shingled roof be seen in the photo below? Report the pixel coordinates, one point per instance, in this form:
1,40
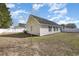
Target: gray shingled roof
44,21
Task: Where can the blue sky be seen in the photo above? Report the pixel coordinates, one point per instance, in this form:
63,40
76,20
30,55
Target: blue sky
57,12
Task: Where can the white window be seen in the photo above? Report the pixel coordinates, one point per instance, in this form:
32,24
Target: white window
49,28
54,28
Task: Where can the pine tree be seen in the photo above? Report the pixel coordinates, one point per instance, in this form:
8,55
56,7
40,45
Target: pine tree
5,17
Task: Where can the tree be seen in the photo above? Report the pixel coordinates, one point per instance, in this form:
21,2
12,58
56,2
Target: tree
70,25
21,25
5,17
63,26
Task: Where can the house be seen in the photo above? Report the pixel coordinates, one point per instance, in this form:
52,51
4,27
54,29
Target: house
71,27
40,26
21,25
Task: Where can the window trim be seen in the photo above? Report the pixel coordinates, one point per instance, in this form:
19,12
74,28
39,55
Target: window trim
50,28
54,28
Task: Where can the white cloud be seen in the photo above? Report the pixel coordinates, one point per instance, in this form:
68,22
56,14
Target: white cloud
10,5
53,18
19,15
61,12
19,11
37,6
49,16
68,20
21,21
16,13
64,19
56,18
56,6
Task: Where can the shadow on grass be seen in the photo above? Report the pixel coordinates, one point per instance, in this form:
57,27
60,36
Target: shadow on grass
18,35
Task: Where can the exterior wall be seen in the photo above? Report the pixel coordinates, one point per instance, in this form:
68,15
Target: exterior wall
33,26
44,30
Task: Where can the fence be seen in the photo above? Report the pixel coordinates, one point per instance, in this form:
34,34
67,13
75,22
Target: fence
70,30
11,30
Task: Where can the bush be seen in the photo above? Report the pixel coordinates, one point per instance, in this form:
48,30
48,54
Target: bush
25,31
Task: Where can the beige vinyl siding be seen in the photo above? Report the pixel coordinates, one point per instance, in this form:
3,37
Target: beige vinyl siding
44,30
33,26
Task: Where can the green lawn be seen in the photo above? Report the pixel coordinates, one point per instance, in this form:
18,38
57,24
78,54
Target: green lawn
56,44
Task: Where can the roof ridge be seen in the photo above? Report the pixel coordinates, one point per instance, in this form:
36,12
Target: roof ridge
43,20
41,17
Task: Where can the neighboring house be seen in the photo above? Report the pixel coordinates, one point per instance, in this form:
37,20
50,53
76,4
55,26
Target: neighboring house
69,28
65,29
40,26
21,25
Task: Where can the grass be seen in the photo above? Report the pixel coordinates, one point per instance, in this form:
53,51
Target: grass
58,44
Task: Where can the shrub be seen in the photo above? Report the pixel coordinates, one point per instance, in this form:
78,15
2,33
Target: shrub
25,31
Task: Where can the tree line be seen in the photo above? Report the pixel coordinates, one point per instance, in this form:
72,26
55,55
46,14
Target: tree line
69,25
